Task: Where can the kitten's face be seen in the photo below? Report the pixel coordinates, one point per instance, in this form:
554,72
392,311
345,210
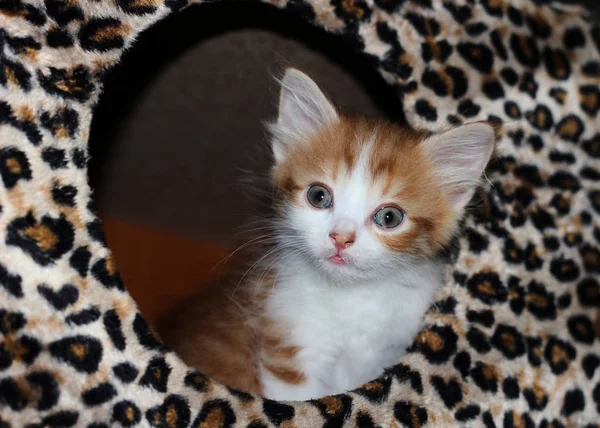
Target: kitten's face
362,199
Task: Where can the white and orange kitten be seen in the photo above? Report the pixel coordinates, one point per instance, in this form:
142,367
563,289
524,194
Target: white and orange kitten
362,208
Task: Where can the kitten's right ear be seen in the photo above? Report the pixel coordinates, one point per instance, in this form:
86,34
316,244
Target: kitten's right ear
303,110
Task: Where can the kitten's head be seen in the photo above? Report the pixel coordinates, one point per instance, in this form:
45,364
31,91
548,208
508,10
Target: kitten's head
362,198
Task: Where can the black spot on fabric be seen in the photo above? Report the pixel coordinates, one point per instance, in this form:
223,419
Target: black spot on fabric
63,13
530,174
573,38
512,110
561,204
512,252
479,56
11,322
410,415
564,180
436,343
459,278
449,391
476,29
582,329
515,16
62,123
363,420
564,270
94,228
105,272
15,72
562,157
125,372
424,26
14,166
590,363
61,299
126,413
559,95
540,302
493,8
588,292
570,128
594,197
83,317
484,317
524,196
445,306
493,89
426,110
589,173
277,412
79,158
591,258
59,38
488,420
174,412
99,394
80,261
102,34
488,288
528,85
525,50
389,5
46,389
498,44
557,63
559,355
574,402
45,241
534,351
112,324
518,218
60,419
509,341
145,336
516,136
510,387
468,108
537,399
591,69
509,76
454,120
540,118
11,283
536,143
538,26
462,363
64,195
73,84
156,374
376,391
459,81
470,411
514,420
56,158
531,256
589,99
586,218
477,242
434,81
83,353
404,374
197,381
136,8
461,13
12,395
478,340
564,301
485,377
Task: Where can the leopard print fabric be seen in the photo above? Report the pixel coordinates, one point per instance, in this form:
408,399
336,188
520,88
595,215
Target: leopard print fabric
512,340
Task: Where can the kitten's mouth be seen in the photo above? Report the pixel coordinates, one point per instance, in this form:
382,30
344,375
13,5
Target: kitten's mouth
337,259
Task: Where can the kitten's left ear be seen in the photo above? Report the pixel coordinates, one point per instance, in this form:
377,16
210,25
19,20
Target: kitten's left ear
459,157
303,110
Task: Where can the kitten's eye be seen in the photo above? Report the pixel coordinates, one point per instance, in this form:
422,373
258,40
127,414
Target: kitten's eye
319,197
388,217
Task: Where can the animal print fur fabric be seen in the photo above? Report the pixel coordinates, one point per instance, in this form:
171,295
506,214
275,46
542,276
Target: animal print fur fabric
512,340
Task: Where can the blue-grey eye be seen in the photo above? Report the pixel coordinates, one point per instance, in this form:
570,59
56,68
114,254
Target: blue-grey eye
319,196
388,217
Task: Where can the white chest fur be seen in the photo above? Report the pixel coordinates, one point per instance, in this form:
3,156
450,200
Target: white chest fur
348,335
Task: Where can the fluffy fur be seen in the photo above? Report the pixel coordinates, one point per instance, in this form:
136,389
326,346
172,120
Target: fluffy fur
335,298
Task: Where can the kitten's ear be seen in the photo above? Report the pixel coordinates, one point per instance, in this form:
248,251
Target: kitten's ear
303,110
460,156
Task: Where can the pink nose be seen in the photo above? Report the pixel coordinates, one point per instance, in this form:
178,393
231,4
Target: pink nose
342,240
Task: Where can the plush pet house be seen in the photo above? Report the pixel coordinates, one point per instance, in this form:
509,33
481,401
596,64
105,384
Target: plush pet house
512,340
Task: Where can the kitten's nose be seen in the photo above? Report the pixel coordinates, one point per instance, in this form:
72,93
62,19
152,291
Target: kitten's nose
342,240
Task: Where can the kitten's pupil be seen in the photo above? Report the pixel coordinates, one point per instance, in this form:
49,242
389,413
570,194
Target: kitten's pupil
389,217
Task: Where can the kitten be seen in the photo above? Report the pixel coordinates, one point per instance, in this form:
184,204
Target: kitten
362,209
